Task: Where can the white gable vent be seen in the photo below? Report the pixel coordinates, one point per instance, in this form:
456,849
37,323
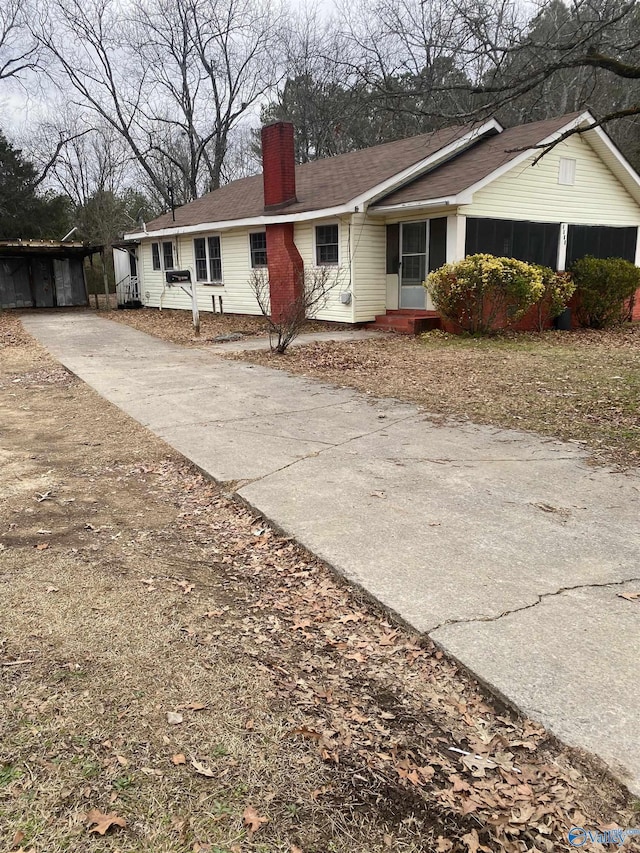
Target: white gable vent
567,171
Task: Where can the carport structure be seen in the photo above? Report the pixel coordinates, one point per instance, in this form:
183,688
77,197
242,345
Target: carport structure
43,273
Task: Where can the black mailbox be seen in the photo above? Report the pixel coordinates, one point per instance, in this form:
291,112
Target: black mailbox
178,276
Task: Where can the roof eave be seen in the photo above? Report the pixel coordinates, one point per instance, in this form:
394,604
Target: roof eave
408,206
248,222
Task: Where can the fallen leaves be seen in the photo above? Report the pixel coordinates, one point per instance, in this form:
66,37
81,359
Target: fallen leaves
174,719
472,841
202,769
629,596
253,820
478,765
103,822
369,699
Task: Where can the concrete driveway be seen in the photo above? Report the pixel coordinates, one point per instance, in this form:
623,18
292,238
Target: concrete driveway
510,550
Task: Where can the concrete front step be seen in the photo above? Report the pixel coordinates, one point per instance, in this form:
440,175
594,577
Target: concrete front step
406,321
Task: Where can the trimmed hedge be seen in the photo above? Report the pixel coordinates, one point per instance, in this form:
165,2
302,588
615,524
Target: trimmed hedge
559,287
483,293
606,289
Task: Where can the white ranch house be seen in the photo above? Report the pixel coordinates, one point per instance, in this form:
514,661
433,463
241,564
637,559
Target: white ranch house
385,216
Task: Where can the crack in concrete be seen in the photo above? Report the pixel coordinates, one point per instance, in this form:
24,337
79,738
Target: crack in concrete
235,420
533,604
324,450
160,395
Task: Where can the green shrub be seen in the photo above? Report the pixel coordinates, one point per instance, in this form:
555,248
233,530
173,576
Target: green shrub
607,287
559,287
483,293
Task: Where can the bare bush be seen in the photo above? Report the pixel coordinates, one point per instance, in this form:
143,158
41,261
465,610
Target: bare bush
314,288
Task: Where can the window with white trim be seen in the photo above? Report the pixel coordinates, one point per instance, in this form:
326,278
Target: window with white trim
326,245
208,259
567,171
167,255
258,248
155,256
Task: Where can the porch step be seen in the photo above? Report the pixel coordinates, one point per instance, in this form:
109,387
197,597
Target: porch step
406,321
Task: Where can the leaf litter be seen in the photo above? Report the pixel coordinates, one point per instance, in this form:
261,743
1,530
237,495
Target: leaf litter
353,720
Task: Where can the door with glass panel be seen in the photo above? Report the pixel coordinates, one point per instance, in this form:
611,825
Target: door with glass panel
413,264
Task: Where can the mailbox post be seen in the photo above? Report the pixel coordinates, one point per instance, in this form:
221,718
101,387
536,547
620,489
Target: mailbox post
180,278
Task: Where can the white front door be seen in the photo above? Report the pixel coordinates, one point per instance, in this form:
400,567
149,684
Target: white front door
413,264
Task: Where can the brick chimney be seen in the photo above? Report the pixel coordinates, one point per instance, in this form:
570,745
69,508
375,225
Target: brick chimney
278,165
286,268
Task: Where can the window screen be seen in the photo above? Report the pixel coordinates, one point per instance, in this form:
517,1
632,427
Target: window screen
258,246
215,259
601,242
326,244
155,255
437,243
393,248
200,254
208,259
167,255
414,238
535,242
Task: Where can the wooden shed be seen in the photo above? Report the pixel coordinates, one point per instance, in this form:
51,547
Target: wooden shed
43,273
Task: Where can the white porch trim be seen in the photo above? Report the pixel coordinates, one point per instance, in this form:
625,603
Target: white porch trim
561,263
456,237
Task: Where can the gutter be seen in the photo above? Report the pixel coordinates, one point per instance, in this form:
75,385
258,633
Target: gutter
447,201
229,224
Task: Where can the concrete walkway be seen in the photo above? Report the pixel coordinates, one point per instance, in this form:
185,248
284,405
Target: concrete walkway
509,550
244,345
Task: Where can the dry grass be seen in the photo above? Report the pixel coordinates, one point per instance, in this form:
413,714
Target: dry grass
581,386
137,588
176,326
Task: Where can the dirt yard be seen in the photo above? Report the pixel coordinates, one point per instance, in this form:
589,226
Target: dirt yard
177,678
579,386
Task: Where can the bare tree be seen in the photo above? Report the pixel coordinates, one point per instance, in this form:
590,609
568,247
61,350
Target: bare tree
568,56
173,79
562,45
237,44
88,157
314,289
18,49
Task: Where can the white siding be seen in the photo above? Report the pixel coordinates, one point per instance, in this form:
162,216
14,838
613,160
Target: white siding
121,267
369,253
533,192
235,290
304,237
